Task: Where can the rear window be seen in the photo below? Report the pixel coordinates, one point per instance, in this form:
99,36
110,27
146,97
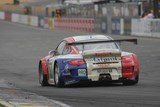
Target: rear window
97,46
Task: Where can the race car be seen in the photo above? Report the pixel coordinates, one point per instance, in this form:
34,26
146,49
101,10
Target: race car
89,58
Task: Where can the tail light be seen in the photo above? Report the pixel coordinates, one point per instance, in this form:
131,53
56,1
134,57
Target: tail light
76,62
127,66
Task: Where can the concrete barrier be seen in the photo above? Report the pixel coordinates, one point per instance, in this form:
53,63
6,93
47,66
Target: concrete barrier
33,20
146,27
140,27
2,15
155,27
23,19
15,17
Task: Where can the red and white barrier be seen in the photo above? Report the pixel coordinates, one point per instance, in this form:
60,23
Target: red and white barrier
76,24
7,16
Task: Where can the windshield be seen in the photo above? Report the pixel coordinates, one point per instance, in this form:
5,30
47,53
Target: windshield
97,46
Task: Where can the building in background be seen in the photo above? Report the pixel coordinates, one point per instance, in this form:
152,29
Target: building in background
6,1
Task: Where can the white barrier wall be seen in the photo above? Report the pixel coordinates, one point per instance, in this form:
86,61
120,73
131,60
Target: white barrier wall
15,18
33,21
155,27
2,15
23,19
145,27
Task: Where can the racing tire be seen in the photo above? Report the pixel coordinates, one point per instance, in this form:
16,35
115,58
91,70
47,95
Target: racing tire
43,79
131,82
57,80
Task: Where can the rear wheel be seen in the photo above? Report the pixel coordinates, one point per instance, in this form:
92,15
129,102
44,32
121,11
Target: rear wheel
57,80
132,82
43,80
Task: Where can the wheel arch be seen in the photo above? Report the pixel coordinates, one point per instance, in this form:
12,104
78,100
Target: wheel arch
43,63
60,82
60,63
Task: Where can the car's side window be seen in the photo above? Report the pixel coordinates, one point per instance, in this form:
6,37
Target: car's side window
67,50
60,47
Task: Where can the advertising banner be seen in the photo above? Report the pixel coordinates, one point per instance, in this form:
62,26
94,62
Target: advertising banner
116,26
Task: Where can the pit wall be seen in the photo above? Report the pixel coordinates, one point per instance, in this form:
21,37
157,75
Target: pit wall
119,26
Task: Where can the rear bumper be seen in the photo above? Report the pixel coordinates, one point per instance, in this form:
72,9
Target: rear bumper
68,80
73,79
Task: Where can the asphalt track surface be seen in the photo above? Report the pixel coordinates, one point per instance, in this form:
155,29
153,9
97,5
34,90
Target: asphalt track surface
21,47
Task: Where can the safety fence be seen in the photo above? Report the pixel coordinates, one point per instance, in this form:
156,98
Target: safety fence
118,26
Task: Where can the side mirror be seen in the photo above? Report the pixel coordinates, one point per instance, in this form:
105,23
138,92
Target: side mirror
52,52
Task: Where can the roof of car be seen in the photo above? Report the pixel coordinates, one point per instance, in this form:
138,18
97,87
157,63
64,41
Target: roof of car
90,37
87,38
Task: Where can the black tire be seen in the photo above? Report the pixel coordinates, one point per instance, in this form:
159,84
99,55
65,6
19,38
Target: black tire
43,79
57,80
131,82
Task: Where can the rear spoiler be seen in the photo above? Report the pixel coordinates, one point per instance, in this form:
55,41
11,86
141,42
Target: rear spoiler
135,41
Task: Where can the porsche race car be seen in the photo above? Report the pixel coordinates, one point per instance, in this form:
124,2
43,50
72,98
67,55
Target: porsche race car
89,58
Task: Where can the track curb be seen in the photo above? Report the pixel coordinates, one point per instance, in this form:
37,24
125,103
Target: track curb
10,96
5,104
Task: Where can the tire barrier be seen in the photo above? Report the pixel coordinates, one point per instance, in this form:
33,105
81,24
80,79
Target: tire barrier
75,24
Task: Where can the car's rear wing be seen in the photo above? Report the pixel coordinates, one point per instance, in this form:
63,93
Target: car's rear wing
135,41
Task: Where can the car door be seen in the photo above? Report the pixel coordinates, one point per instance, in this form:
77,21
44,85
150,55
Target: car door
58,53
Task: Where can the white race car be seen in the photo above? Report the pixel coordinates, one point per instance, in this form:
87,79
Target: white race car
89,57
